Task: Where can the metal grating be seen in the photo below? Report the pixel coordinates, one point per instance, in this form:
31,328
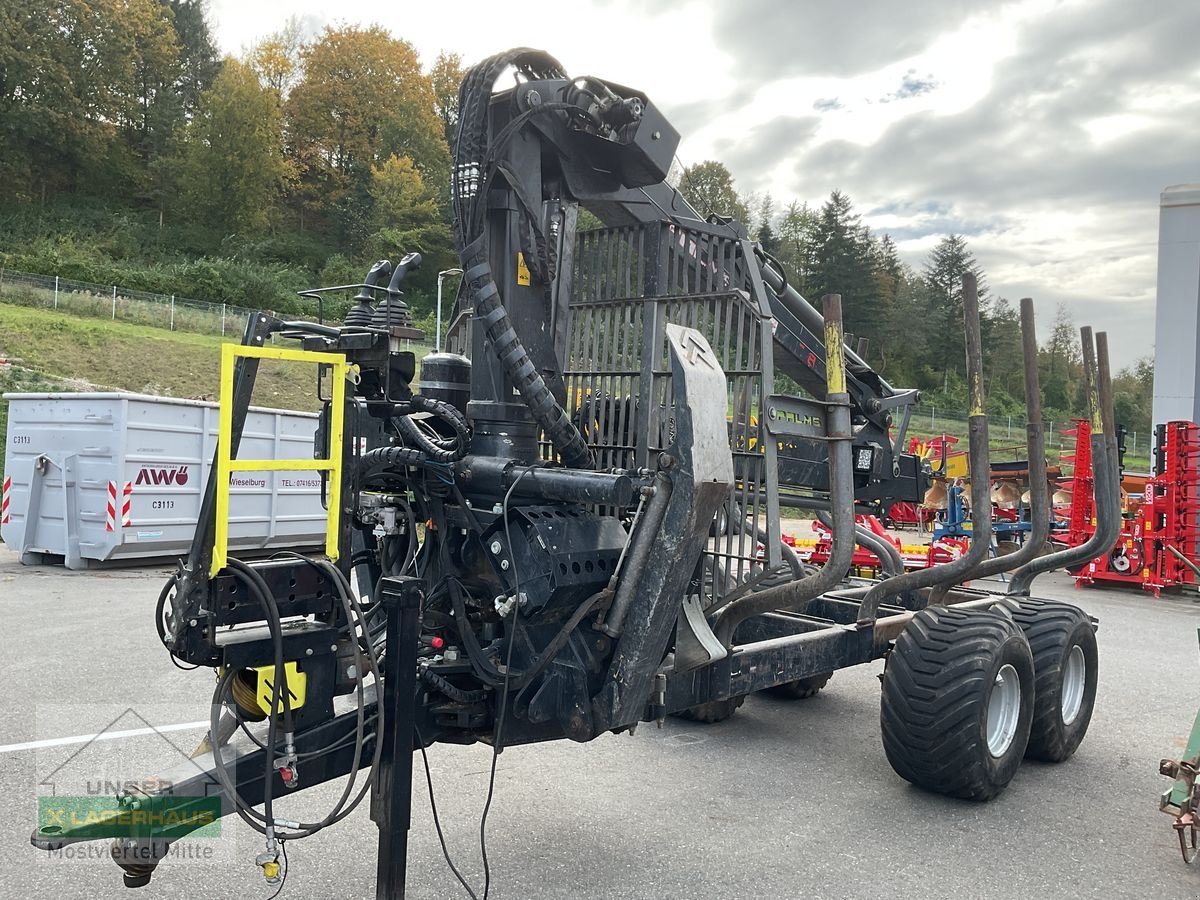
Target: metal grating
628,284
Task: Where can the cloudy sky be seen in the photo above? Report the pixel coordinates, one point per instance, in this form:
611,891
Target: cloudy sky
1043,130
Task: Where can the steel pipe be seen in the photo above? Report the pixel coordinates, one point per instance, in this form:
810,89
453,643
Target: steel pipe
1035,449
1107,412
890,562
795,594
942,578
1106,485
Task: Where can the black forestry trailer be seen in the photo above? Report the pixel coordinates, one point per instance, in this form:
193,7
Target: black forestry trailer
573,526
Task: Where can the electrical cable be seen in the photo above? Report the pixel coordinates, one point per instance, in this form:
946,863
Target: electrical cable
258,588
437,822
264,822
503,706
161,625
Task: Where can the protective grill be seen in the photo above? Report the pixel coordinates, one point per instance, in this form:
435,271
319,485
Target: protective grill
628,284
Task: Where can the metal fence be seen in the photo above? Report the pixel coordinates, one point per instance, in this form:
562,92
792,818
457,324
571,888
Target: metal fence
1005,432
111,301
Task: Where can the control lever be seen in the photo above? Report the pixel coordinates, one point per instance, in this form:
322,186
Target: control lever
379,272
409,263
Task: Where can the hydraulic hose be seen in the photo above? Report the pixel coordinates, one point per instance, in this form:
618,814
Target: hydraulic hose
475,167
434,447
517,364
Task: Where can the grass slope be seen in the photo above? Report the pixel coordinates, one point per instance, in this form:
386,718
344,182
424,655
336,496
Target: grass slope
60,352
119,356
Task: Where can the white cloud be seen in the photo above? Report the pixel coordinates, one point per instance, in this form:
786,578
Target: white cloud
1042,129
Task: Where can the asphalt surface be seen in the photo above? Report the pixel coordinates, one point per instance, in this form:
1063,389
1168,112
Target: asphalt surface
785,800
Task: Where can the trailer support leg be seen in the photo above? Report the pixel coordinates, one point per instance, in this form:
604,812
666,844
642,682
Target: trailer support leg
391,804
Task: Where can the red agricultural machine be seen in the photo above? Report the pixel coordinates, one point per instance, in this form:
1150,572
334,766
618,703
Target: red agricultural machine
1159,542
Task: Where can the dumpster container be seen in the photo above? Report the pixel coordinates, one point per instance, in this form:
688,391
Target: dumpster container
91,477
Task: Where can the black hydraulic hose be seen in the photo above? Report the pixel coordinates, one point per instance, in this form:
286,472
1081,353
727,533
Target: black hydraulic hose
352,608
258,587
457,694
795,594
941,578
487,672
261,822
557,642
435,447
517,364
262,593
1035,451
1106,486
391,458
475,167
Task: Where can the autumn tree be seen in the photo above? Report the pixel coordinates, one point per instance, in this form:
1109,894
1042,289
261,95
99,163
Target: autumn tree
158,107
171,81
708,187
69,84
446,77
406,218
233,169
277,59
362,98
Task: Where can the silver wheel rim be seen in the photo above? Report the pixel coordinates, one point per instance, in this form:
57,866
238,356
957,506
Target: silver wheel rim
1074,682
1004,709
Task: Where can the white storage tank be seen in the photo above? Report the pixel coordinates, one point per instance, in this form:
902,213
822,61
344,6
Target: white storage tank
103,476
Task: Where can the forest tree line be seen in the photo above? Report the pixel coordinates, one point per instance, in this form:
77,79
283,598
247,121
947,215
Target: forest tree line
912,318
133,152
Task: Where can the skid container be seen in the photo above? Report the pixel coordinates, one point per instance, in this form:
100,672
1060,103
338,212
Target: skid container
106,476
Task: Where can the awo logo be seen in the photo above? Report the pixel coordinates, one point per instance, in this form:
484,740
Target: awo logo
168,476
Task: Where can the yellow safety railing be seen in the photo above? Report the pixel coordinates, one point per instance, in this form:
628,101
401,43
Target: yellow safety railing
226,465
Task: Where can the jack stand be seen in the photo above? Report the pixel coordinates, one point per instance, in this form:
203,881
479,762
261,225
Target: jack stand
391,803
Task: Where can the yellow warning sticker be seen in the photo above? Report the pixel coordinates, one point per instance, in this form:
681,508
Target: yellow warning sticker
522,270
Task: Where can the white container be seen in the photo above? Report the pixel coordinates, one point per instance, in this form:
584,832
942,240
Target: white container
101,476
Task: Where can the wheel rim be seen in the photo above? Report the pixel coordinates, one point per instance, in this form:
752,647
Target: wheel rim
1074,682
1004,709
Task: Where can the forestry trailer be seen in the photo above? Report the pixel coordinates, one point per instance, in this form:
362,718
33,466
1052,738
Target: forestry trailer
572,526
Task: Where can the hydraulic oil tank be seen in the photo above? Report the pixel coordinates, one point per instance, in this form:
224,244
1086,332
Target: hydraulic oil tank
447,377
